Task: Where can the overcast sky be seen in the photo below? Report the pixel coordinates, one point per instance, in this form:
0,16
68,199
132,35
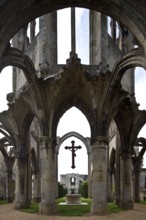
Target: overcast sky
73,120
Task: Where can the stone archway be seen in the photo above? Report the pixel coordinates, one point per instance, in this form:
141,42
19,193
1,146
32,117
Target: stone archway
133,20
86,142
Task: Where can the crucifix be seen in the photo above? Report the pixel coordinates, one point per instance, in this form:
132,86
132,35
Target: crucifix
73,149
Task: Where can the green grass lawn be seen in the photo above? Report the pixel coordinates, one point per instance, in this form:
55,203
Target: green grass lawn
72,210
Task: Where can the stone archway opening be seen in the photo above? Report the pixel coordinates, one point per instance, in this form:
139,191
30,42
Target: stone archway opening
65,158
81,34
140,91
73,120
73,126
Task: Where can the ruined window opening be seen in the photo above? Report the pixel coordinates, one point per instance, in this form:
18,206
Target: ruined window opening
73,181
74,34
113,29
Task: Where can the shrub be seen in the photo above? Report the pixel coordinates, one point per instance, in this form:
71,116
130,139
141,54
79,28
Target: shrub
83,190
61,191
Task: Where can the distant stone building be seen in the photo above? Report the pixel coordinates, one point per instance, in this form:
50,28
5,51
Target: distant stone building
72,182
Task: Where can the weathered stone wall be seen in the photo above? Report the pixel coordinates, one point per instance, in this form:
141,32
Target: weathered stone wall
65,180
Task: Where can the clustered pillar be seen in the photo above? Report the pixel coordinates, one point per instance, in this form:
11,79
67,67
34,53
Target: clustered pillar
21,190
9,191
48,177
36,187
99,185
137,184
126,182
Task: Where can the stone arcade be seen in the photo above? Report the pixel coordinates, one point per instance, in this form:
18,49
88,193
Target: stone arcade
102,90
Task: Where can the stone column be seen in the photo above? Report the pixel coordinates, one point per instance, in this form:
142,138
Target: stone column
98,38
48,177
21,194
9,192
117,170
48,38
109,179
109,186
113,29
127,194
99,185
137,184
36,194
90,164
56,159
32,30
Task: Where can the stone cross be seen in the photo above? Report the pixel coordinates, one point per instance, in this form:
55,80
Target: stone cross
73,149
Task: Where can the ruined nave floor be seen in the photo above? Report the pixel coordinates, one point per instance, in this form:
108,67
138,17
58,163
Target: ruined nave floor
7,212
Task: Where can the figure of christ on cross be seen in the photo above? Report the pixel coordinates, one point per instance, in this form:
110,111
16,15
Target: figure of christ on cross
73,149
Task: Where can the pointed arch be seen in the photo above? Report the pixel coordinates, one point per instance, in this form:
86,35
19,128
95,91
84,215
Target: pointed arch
77,135
112,159
15,57
69,103
133,58
34,159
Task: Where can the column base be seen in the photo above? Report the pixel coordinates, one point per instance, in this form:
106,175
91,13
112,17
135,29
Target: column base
99,209
127,205
36,199
9,199
110,199
46,208
21,205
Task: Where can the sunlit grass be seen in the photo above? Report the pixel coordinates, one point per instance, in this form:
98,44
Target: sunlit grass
73,210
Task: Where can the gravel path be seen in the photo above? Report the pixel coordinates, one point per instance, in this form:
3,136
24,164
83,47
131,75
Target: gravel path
7,212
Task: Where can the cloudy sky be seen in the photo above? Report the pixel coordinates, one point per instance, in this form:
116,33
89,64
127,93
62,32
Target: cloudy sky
79,122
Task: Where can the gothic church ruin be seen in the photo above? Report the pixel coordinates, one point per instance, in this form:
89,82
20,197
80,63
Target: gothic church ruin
44,90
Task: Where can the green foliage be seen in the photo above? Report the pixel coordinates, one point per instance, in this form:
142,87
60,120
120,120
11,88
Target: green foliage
59,200
83,190
61,191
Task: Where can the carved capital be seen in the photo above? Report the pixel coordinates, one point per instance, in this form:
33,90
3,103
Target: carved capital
126,155
100,139
44,69
46,142
100,142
